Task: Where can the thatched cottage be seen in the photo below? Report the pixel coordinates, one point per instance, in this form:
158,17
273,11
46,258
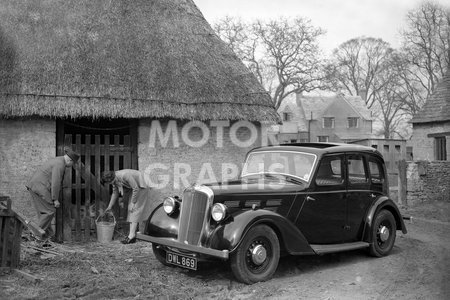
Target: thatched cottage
120,82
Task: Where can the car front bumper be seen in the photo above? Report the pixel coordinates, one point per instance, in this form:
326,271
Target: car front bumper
170,242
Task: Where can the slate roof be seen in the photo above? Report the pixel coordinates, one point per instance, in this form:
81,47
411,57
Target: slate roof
437,106
318,104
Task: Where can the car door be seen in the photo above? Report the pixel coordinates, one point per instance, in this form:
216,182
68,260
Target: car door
359,196
323,215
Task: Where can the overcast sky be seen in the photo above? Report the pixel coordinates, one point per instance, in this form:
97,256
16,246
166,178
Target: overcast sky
342,19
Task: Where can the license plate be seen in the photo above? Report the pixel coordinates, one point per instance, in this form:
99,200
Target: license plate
181,260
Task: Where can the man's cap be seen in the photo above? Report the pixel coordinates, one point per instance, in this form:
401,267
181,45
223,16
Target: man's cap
72,154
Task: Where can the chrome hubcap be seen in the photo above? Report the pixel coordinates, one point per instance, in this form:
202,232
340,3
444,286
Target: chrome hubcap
259,255
384,233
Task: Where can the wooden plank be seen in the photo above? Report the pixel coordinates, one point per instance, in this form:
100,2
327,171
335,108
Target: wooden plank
42,250
107,154
111,148
117,154
127,155
3,241
30,224
67,198
133,144
59,226
27,276
126,165
93,181
77,194
10,236
117,210
17,236
97,172
87,188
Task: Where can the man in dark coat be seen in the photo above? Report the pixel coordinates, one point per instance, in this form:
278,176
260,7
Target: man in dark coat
45,186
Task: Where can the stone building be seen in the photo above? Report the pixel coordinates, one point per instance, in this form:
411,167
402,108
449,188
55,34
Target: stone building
431,125
129,84
428,175
336,118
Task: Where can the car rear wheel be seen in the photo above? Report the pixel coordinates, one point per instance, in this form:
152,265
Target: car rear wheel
160,254
256,258
383,234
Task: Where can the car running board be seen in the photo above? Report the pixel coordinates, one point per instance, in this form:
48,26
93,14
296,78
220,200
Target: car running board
324,249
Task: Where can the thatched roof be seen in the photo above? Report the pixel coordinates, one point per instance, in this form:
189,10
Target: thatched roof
437,106
131,59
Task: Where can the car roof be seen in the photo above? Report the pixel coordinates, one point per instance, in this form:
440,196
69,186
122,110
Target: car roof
319,148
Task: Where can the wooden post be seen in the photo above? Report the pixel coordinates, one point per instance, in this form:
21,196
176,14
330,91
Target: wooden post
402,182
87,187
66,204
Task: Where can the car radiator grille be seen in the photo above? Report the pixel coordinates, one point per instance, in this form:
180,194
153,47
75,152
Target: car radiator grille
193,208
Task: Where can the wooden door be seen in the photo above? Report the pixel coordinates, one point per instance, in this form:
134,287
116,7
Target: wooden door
101,149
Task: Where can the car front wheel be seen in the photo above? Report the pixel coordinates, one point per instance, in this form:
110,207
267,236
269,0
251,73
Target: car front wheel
383,234
256,259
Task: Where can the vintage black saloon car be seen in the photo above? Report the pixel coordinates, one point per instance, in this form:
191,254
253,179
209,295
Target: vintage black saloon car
296,199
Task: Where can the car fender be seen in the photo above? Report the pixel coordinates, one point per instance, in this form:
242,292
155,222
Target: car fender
382,202
229,235
159,224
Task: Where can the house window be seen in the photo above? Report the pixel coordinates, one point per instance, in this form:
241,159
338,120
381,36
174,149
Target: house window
322,138
287,116
328,122
440,148
352,122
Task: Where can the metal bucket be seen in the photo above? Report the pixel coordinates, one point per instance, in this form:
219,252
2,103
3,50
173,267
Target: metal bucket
105,230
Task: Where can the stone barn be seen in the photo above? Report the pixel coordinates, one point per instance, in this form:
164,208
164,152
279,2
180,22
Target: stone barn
431,125
129,84
428,175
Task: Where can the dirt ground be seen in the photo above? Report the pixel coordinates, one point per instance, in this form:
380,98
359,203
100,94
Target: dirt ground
418,268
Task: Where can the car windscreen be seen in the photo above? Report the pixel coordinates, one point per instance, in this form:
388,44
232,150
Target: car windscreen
290,163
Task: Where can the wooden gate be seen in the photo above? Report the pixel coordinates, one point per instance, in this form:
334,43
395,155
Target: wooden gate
101,149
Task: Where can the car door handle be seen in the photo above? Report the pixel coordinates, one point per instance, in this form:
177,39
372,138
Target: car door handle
308,198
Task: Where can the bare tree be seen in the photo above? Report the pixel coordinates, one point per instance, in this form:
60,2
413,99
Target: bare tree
410,91
426,43
390,97
245,44
356,66
283,54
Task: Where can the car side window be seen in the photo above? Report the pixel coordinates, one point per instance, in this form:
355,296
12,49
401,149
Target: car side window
357,173
329,172
376,171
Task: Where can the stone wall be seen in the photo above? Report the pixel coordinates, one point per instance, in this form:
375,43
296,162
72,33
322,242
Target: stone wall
24,145
189,157
427,181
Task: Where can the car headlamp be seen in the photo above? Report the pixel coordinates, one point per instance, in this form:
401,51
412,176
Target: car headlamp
218,212
170,205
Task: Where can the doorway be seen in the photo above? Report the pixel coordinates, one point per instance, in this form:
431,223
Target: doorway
104,145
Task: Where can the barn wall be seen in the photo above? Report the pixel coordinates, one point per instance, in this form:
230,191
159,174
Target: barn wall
176,157
24,145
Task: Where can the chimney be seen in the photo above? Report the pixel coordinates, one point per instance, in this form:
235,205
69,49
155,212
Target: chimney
363,94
